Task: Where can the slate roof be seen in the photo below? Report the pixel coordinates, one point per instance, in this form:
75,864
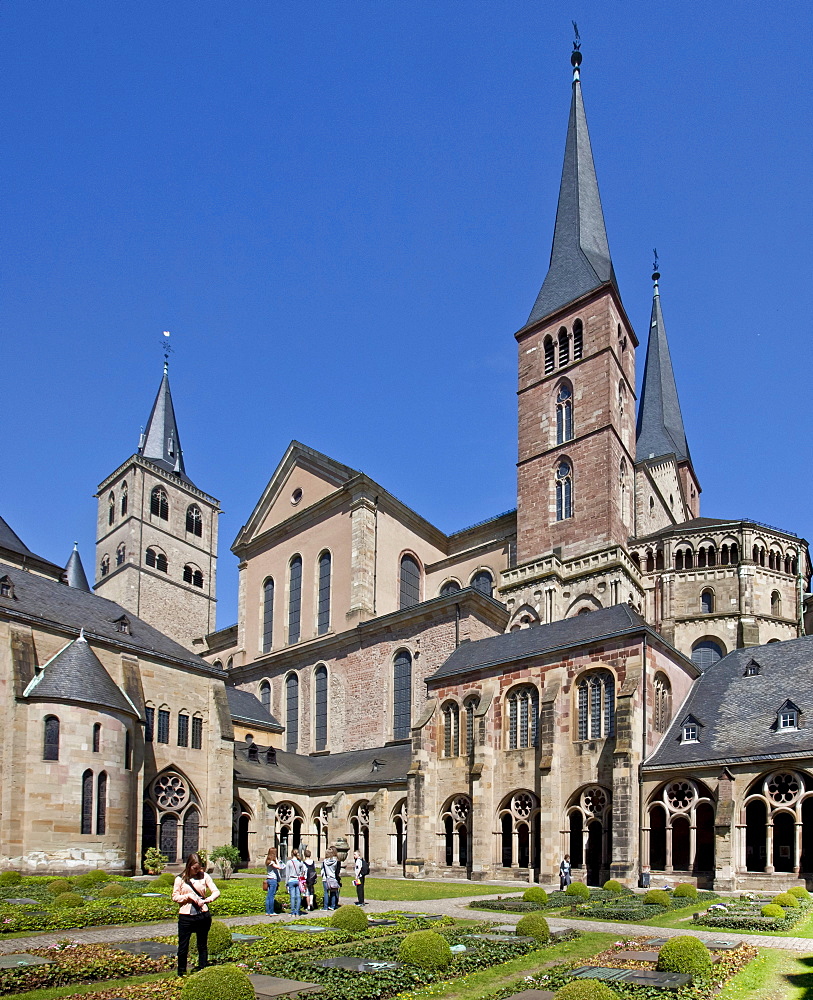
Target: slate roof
695,522
738,714
76,674
659,429
75,572
161,443
246,707
375,767
604,623
11,540
67,607
580,257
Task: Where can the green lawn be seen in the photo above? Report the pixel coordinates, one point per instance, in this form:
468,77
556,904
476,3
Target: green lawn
407,888
775,975
76,988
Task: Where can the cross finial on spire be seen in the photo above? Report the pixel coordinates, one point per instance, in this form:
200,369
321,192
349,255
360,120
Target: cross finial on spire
575,55
166,347
655,272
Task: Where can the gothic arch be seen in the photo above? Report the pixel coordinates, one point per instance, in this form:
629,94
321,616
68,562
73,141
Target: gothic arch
587,832
518,830
679,833
776,822
455,831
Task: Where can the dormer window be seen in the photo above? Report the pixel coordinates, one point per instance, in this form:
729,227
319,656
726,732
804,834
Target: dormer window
253,753
271,756
752,669
6,587
789,719
122,625
690,734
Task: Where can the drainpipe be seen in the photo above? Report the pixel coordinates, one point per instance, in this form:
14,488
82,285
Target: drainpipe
641,767
456,625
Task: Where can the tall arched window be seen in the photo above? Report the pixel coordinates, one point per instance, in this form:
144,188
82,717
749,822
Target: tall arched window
595,694
104,566
578,337
564,491
622,484
564,347
50,738
123,499
564,414
320,708
523,717
402,695
101,804
484,582
87,802
776,604
194,520
111,509
550,356
265,695
663,703
449,588
291,713
97,737
159,503
706,653
268,614
294,599
707,602
120,554
451,729
161,563
410,582
470,707
191,832
323,612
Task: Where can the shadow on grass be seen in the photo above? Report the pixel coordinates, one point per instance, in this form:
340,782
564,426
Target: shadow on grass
802,981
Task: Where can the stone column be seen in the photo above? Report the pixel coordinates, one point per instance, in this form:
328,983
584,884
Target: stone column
363,518
798,858
769,868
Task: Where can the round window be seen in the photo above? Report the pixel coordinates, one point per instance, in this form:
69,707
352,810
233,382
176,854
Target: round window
296,496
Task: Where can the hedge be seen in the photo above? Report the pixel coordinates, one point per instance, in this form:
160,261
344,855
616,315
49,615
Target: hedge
534,925
685,954
218,982
426,949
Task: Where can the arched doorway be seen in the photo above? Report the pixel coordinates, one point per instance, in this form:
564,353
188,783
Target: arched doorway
589,833
784,842
576,840
594,859
756,822
657,838
704,838
242,839
681,848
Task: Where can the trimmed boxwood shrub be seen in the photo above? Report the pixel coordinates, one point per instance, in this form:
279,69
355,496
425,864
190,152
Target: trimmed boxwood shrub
536,894
585,989
10,878
426,949
799,892
68,900
685,890
349,918
219,939
613,886
785,899
534,925
88,880
685,954
166,879
58,886
772,910
658,897
218,982
114,889
578,889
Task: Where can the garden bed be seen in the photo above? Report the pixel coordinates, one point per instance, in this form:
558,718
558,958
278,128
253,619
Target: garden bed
743,915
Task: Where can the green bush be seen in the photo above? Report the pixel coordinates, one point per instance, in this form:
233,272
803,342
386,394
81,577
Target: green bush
578,889
154,861
657,897
113,889
89,880
786,900
218,982
227,858
613,886
685,890
772,910
68,900
426,949
10,878
58,886
166,879
585,989
685,954
534,925
219,939
349,918
799,892
536,894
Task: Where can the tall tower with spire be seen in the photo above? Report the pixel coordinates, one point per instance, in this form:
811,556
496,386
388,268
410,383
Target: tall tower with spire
575,474
156,538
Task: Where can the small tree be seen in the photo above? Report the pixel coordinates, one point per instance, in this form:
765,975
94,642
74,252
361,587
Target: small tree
227,858
154,861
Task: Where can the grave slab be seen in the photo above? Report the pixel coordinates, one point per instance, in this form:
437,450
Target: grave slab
505,928
499,937
353,964
422,916
152,894
244,938
656,942
267,987
637,956
18,961
21,901
672,981
723,945
381,923
153,949
306,928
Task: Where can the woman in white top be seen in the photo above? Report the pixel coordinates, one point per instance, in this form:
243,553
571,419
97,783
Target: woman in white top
294,871
190,890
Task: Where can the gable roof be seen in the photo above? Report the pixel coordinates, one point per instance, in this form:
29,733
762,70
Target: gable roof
602,624
246,707
738,712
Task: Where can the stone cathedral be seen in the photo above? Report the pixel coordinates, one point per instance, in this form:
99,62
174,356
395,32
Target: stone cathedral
601,672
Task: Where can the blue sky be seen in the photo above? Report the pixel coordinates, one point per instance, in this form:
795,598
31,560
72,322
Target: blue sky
343,211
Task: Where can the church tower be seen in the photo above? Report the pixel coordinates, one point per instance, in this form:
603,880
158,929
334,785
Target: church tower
156,538
575,474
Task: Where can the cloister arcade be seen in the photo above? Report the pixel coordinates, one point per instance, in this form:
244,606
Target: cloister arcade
679,828
775,829
588,836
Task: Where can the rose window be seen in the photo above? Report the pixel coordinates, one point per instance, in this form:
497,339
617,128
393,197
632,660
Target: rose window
170,791
523,805
594,801
680,794
285,813
461,808
783,788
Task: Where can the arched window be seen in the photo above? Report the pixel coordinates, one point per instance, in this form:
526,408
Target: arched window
320,708
776,604
688,559
470,707
707,602
120,554
564,347
128,750
123,499
636,558
161,563
323,613
159,504
187,574
564,414
87,802
410,582
578,337
787,564
659,559
191,832
104,567
149,557
402,695
265,695
650,561
564,491
595,696
294,599
484,582
706,653
168,843
194,520
291,713
663,703
449,588
679,559
183,729
197,578
622,485
111,509
97,737
268,614
50,738
622,398
197,732
451,729
101,804
523,717
550,359
156,559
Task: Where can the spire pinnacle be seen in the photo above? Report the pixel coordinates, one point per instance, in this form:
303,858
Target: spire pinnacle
575,55
160,442
75,571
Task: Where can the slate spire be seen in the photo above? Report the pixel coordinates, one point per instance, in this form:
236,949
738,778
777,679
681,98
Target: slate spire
660,424
160,442
75,571
580,258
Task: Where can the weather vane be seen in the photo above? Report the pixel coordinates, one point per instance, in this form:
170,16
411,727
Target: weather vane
655,273
166,348
577,42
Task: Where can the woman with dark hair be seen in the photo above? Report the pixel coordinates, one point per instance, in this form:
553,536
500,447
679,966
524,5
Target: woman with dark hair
190,890
273,871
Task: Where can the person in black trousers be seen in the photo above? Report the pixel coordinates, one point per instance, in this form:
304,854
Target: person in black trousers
190,890
361,869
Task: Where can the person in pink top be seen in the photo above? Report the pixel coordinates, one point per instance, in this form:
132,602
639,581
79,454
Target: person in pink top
191,889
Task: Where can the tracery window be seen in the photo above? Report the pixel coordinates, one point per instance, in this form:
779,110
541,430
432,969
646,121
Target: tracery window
595,698
194,520
50,738
564,414
323,612
87,802
523,717
456,823
159,503
663,703
564,491
123,499
410,592
451,729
